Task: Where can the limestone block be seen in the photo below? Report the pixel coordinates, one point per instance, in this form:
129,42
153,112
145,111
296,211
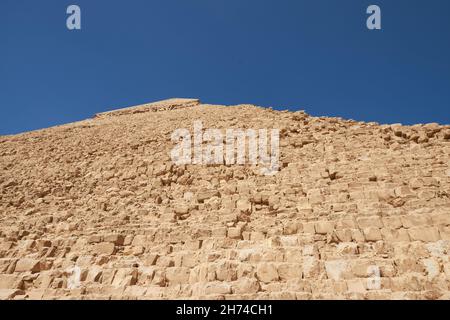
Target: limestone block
336,269
367,222
106,248
27,264
245,286
324,227
117,239
178,275
372,234
415,220
425,234
288,271
267,272
10,281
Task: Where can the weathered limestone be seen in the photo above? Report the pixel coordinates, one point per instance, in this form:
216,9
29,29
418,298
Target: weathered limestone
97,210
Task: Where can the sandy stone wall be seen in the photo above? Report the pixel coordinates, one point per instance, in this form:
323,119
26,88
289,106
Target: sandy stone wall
97,210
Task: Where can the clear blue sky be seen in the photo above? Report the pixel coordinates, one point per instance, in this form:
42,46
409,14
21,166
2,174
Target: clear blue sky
315,55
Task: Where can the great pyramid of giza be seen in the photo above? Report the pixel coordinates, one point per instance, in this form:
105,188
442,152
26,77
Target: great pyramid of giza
98,209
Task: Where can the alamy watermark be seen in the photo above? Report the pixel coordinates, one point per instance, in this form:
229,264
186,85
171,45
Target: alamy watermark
73,21
234,147
374,20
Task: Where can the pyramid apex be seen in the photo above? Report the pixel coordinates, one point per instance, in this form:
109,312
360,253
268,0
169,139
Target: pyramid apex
162,105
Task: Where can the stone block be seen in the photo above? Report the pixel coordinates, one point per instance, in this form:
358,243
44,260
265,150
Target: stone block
28,265
267,272
106,248
324,227
178,275
245,286
372,234
425,234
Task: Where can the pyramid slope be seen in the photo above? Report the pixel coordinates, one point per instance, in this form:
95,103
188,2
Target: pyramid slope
97,209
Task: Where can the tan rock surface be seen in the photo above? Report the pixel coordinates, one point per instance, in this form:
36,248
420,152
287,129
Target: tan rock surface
96,209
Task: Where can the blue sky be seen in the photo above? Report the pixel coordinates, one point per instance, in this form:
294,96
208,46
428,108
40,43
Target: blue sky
315,55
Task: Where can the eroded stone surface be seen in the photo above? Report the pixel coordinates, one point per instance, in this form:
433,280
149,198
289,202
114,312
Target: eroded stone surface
95,209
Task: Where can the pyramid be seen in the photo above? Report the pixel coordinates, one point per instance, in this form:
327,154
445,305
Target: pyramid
98,209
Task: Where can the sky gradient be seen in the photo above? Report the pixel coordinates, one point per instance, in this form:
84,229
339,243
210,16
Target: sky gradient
316,56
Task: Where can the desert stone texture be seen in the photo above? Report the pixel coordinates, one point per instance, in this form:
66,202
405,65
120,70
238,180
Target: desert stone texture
97,210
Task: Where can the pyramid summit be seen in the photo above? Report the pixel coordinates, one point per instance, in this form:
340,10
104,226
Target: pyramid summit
164,105
98,209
